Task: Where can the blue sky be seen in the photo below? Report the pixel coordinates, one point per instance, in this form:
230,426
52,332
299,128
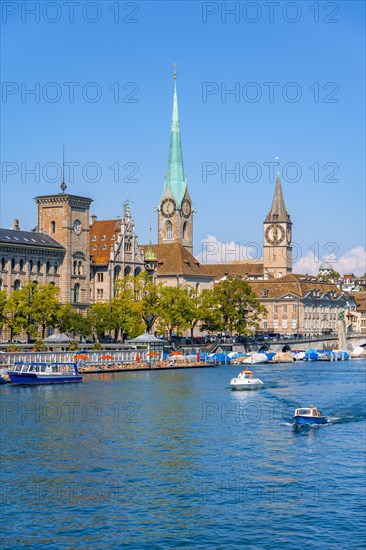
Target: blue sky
319,58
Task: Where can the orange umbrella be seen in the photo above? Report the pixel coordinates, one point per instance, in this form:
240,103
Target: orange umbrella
154,353
107,356
176,353
138,360
81,356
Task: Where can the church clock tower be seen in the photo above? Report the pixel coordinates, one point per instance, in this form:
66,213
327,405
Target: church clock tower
277,249
175,212
66,219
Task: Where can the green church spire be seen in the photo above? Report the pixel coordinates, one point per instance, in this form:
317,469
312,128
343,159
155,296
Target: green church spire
175,180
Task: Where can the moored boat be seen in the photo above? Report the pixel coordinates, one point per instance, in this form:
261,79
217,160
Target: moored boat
246,381
308,416
44,373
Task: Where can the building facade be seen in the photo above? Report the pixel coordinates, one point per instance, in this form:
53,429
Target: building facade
29,256
301,304
114,254
65,218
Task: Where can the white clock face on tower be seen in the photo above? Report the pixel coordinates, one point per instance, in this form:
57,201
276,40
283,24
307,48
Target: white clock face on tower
186,208
77,227
168,208
275,234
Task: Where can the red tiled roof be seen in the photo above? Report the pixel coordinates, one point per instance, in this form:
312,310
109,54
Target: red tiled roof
236,269
174,259
101,239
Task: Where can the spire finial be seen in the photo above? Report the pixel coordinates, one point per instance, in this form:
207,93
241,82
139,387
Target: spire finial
278,164
175,70
63,184
150,231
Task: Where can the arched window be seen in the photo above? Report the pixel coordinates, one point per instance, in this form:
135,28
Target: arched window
39,266
48,265
17,285
12,264
1,284
168,230
3,263
56,268
74,267
21,265
185,230
127,270
77,293
137,271
30,266
53,227
80,267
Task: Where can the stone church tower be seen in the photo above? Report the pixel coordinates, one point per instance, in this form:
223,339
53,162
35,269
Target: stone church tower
277,249
175,212
66,219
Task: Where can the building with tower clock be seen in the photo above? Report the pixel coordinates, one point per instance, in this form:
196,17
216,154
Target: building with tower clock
85,256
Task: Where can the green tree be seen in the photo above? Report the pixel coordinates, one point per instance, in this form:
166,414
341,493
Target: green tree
237,307
69,319
16,316
3,301
99,318
196,308
148,295
332,275
127,308
173,310
44,306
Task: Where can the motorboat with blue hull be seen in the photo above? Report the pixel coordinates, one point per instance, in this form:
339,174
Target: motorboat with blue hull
44,373
307,416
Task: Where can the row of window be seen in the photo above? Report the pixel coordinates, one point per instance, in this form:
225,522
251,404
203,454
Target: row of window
18,284
104,238
169,230
127,271
31,265
276,309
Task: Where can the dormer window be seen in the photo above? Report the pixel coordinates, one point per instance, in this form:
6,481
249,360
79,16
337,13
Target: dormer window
104,247
103,237
265,293
94,238
113,238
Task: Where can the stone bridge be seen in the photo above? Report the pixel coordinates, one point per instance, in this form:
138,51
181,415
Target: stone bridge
322,342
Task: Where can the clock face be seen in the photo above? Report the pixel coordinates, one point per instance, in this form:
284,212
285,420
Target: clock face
288,235
168,208
77,227
275,234
186,208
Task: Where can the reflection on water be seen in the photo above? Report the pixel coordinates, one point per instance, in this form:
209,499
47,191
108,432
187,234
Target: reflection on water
178,459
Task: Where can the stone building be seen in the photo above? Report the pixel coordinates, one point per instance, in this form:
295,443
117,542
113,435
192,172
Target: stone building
26,255
301,304
65,218
114,253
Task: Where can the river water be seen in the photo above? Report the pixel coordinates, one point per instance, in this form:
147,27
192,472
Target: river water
176,459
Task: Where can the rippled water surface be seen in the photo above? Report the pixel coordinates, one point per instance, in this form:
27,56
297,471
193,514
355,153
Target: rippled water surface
176,459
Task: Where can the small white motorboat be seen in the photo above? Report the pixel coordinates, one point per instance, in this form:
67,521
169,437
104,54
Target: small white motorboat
246,381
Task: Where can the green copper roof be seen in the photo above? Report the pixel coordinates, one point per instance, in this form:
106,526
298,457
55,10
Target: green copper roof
175,180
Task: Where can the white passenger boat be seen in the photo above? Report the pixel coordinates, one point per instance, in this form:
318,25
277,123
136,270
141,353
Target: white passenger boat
246,381
44,373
